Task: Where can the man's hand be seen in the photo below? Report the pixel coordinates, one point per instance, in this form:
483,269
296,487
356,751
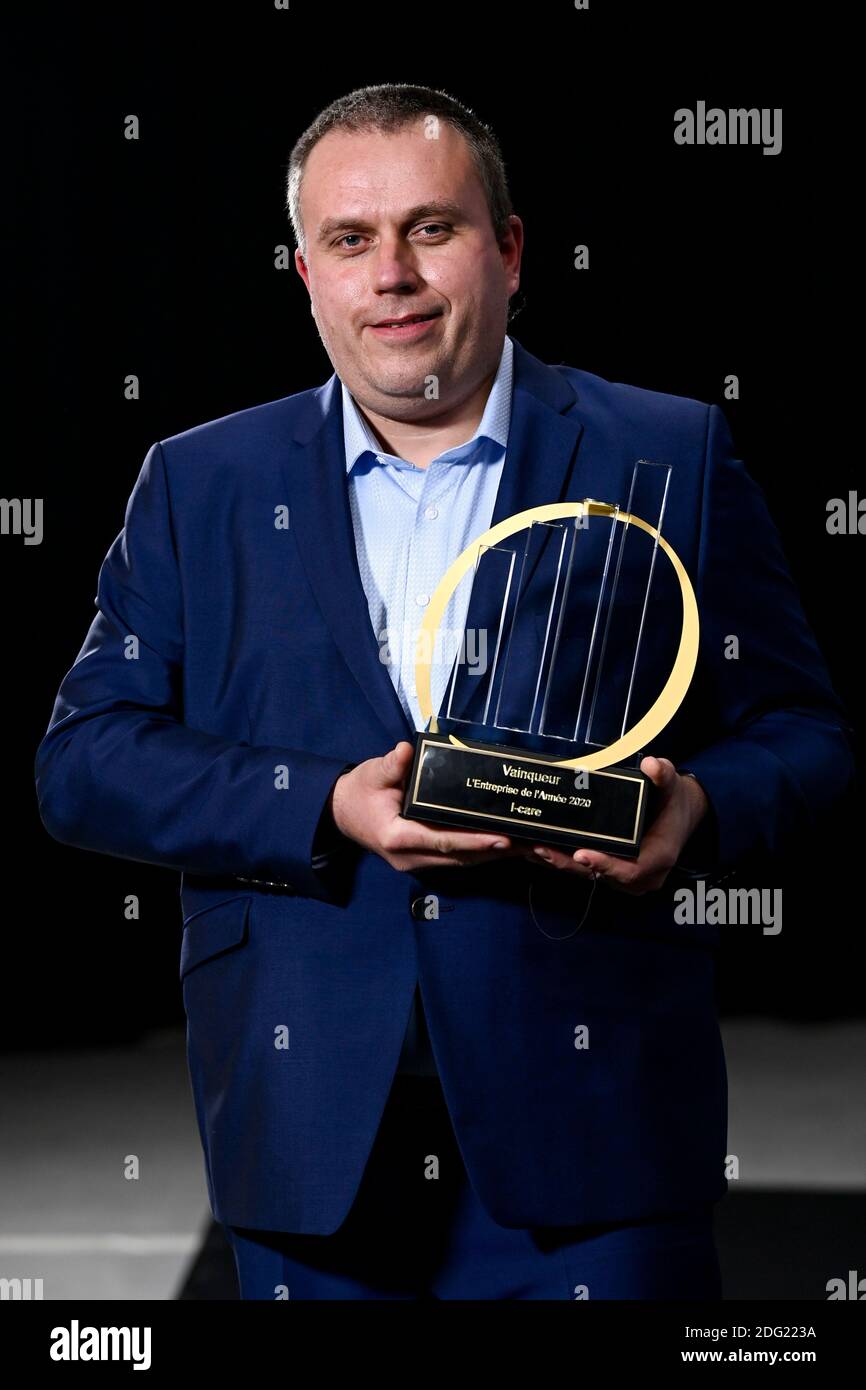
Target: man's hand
365,804
683,805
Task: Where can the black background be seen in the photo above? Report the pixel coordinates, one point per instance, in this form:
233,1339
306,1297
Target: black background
156,257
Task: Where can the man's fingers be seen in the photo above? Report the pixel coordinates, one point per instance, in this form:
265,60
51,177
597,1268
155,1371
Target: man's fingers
556,858
394,766
450,861
406,836
660,771
456,860
626,874
444,841
603,864
640,875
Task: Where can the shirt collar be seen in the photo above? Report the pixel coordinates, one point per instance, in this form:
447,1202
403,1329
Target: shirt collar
358,439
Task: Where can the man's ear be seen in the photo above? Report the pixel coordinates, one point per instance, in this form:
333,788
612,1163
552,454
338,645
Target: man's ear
301,268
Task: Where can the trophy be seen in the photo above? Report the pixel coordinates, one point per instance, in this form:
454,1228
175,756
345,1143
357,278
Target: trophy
532,737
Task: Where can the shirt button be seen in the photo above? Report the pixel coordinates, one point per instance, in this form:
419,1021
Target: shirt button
431,513
422,600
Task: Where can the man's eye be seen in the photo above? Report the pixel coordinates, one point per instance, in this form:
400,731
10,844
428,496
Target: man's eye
437,227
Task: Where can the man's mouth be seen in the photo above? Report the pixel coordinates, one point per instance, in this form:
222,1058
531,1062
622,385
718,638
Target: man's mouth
408,326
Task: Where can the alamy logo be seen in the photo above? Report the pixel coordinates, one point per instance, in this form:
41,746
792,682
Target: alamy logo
468,646
22,516
718,907
76,1343
737,126
847,518
21,1288
855,1288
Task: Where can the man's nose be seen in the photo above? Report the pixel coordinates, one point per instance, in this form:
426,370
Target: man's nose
395,265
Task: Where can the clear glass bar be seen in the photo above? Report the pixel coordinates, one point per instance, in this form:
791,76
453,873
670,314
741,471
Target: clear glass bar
471,690
630,583
531,629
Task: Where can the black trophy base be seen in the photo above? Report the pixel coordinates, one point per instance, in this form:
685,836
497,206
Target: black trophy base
489,787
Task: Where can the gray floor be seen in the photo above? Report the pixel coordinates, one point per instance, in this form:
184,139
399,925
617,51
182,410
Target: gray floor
797,1104
76,1123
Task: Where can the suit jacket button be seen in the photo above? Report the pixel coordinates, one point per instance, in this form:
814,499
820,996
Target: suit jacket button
417,907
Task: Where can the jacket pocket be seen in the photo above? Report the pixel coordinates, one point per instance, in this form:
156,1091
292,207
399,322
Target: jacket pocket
213,930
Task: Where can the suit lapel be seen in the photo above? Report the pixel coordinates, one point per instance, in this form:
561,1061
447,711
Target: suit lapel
542,445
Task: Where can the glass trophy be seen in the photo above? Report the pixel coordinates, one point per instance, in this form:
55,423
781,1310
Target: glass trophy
572,629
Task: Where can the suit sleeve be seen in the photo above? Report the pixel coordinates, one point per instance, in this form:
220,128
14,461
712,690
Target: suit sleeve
119,772
781,752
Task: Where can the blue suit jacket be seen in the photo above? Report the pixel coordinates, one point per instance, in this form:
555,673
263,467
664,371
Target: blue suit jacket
230,654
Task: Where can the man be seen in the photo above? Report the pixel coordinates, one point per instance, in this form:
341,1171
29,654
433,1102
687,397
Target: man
413,1076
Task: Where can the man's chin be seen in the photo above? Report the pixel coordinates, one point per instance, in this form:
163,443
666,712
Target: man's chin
399,404
405,379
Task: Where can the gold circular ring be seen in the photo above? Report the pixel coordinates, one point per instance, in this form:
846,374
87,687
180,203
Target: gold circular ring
658,716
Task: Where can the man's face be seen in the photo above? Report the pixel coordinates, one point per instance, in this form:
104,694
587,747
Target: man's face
397,224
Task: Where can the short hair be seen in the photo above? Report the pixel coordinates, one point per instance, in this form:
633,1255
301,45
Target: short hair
391,106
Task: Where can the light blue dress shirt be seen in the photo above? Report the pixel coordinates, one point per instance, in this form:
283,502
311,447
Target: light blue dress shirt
410,524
